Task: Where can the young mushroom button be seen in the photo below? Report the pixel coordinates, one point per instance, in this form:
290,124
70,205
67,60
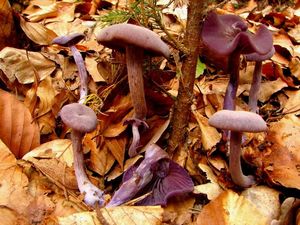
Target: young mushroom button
82,119
135,41
238,122
70,41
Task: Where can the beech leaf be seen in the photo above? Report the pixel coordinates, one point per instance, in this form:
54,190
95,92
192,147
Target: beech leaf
21,65
18,130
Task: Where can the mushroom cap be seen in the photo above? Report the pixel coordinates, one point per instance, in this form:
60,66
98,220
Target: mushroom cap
238,121
68,40
224,34
79,117
257,57
118,36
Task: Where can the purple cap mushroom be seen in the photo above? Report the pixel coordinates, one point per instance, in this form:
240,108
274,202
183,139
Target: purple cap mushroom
156,174
71,41
135,41
255,86
82,119
238,122
226,37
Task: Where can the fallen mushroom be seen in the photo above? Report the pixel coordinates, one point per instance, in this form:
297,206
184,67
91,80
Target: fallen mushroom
238,122
226,37
256,80
82,119
135,40
71,41
157,175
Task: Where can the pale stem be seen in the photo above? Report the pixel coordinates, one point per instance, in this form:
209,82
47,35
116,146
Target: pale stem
255,86
82,73
235,161
134,60
92,194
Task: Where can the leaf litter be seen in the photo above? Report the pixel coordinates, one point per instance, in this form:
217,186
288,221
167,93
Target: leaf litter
41,187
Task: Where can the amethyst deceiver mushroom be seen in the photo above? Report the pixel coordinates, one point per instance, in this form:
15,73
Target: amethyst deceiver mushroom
135,41
157,175
226,37
256,79
82,119
238,122
71,41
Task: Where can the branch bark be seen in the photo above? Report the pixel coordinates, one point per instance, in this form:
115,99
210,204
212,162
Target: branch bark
181,113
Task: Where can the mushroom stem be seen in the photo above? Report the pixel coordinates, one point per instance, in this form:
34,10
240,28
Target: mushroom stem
135,125
134,60
92,194
82,73
234,67
235,161
255,86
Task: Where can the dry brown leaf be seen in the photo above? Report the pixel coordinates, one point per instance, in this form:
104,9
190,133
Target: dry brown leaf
7,34
293,103
46,94
268,88
131,215
209,135
82,218
40,10
230,208
122,215
37,32
179,211
117,148
19,132
294,33
9,217
64,28
101,159
57,172
14,193
282,159
91,66
21,64
212,189
294,66
118,171
60,149
265,199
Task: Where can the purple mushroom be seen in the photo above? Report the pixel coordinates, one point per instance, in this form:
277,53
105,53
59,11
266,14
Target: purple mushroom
82,119
71,41
135,41
238,122
157,175
226,37
256,80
